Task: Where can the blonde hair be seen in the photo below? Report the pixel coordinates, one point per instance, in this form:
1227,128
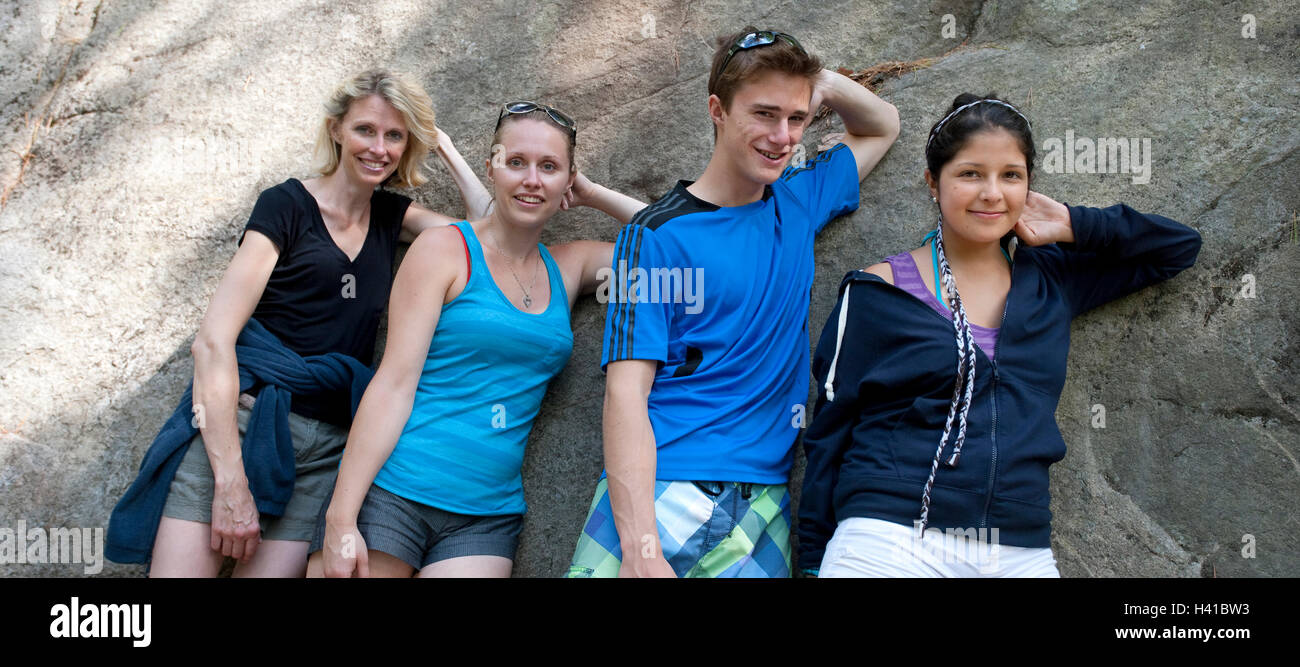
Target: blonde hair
542,115
408,97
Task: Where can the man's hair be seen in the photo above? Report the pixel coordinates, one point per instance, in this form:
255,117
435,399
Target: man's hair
749,64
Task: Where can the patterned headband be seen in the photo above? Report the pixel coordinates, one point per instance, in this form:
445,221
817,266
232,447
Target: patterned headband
967,106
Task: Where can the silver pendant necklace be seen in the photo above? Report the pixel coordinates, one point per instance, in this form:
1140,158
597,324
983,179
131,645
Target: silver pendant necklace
510,263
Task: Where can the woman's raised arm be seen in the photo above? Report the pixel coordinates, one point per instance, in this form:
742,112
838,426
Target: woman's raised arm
476,196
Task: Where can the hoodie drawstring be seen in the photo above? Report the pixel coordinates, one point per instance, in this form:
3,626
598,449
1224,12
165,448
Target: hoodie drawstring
839,342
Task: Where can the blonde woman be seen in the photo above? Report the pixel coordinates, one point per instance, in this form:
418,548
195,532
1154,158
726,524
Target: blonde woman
284,349
430,485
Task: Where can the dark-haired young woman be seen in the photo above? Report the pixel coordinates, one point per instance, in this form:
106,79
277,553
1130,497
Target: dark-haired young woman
940,369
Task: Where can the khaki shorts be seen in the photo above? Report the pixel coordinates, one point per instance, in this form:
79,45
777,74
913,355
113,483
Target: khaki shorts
318,448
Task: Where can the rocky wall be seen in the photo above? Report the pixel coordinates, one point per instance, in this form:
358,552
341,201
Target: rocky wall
137,135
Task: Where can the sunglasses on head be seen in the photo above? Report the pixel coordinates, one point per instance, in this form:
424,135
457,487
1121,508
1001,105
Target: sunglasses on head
760,38
556,115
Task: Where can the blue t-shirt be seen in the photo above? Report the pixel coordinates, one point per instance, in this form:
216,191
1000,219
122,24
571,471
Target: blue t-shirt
719,297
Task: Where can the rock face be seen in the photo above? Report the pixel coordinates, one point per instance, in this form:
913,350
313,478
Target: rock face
137,136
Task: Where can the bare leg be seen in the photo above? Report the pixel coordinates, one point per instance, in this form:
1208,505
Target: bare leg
382,565
316,566
183,549
387,565
469,566
285,559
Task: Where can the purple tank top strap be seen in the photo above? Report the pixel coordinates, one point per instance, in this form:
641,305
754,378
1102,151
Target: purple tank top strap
907,277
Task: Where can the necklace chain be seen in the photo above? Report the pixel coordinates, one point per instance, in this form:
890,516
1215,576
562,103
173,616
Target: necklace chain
510,264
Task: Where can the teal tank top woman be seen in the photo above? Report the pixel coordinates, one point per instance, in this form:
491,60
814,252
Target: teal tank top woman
482,385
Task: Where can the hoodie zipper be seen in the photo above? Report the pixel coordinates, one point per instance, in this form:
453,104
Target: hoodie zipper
993,435
993,438
993,460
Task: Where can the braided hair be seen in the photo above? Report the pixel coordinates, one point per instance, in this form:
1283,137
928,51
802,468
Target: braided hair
967,116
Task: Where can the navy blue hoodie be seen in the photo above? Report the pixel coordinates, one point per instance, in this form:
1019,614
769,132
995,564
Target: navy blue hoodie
885,371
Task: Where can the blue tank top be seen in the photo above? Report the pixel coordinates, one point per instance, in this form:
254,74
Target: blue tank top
482,385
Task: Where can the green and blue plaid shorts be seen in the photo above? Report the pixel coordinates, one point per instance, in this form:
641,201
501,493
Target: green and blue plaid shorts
706,529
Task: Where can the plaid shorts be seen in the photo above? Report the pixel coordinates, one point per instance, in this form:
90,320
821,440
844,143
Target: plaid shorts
706,529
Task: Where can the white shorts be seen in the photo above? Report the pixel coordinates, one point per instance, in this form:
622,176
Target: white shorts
877,548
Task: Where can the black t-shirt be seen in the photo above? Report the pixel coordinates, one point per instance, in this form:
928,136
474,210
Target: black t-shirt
316,300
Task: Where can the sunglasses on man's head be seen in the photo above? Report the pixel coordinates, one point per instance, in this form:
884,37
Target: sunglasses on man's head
760,38
556,115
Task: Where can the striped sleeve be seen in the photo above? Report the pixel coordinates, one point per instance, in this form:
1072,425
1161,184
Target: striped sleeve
827,184
635,328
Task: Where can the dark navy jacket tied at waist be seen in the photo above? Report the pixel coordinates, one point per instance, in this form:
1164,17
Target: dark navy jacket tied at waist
267,445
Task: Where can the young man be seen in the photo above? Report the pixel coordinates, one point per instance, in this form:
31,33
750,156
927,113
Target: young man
705,380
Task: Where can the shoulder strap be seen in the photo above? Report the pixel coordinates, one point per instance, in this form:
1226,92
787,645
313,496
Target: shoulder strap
469,266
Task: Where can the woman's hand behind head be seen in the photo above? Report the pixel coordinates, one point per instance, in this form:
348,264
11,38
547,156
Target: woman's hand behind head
1044,220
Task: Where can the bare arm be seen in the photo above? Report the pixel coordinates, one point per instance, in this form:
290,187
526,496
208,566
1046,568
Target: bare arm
235,529
431,267
611,202
581,262
870,123
476,196
630,460
418,219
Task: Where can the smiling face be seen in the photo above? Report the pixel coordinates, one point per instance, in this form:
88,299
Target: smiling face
532,170
982,189
372,137
757,136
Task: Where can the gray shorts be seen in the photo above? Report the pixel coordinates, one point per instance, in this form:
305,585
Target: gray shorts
317,447
419,534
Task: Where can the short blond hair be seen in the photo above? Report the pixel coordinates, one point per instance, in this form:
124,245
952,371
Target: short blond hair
408,97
